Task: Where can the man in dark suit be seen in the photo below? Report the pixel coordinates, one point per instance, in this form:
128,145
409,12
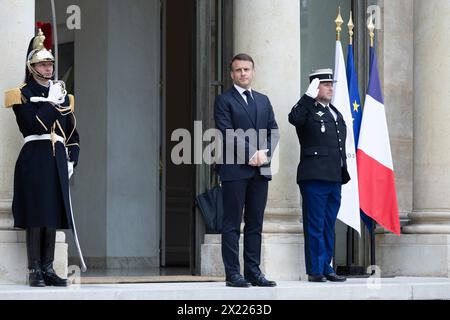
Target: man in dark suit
247,122
321,173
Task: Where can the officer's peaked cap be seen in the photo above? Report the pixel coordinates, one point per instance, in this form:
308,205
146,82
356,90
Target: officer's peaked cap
324,75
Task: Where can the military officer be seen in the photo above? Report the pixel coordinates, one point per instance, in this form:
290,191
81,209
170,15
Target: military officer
41,201
322,171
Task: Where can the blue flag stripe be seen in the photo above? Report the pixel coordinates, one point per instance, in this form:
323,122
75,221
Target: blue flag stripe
374,89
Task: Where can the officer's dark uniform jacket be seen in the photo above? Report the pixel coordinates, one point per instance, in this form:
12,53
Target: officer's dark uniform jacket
41,183
323,155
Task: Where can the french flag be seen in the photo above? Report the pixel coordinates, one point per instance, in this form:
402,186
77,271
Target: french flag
376,178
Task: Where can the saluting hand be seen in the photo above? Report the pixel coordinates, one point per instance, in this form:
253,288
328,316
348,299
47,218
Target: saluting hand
313,89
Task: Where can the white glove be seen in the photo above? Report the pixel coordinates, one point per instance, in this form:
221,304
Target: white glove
70,168
313,89
56,93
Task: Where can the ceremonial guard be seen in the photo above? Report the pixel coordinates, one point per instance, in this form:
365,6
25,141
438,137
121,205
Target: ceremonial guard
41,202
322,171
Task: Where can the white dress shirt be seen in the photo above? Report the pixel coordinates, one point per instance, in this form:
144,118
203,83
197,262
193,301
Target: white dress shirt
241,92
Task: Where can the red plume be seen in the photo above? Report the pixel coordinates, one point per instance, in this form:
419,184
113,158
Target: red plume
47,30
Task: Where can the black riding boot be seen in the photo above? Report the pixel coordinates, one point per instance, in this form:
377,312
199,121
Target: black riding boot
47,256
33,240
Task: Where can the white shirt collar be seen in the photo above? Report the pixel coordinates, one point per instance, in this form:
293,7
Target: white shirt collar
324,105
242,90
331,110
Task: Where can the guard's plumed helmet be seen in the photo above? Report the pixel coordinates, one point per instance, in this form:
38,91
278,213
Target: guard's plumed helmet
39,49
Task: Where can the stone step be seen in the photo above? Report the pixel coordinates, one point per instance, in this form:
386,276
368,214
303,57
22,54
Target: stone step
18,236
13,253
6,222
275,247
354,289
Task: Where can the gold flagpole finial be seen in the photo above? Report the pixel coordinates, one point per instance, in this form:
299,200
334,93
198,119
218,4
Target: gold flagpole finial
339,23
371,28
350,28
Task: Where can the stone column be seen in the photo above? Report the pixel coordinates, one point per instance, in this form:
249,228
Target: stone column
18,20
427,237
269,31
431,213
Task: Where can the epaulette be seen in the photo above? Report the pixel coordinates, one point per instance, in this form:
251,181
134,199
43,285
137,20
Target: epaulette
14,96
72,102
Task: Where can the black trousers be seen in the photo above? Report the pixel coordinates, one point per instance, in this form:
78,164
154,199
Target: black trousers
248,196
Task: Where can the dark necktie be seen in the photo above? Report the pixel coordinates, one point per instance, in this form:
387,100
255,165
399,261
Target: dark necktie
251,106
327,108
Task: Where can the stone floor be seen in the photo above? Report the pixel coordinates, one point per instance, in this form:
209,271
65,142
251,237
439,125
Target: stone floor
401,288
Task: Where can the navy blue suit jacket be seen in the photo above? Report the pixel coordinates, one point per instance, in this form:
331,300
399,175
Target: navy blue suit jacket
231,112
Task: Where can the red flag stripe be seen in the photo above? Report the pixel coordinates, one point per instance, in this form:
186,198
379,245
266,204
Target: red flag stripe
377,196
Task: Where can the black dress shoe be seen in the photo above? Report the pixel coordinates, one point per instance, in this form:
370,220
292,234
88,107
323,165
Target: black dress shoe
319,278
335,278
237,281
261,281
52,279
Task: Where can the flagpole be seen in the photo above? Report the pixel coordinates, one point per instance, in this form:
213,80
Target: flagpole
55,37
350,231
351,26
339,21
348,269
371,28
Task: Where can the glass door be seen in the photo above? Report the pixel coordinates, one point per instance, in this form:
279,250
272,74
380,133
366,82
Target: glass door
214,45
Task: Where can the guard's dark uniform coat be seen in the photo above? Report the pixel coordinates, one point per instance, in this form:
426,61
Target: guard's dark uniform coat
323,155
41,184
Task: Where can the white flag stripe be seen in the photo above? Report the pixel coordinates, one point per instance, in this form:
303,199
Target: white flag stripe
376,146
349,210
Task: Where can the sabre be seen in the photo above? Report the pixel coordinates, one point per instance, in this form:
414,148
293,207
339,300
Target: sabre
74,229
55,37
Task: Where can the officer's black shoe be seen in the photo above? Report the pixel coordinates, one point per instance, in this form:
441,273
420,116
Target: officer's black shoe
261,281
333,277
237,281
319,278
52,279
36,277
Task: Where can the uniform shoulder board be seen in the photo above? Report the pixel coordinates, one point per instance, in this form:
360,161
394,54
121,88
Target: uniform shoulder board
13,96
72,102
